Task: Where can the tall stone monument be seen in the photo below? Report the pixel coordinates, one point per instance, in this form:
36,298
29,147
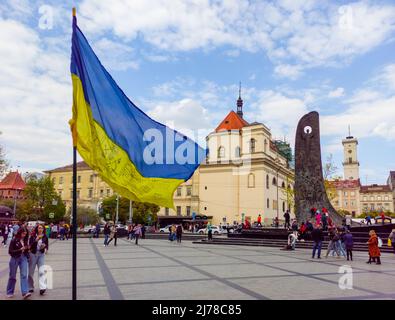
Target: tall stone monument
309,182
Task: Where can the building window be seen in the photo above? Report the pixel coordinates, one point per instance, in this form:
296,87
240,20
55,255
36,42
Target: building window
166,211
178,210
365,198
221,152
90,193
283,206
205,187
205,208
268,203
265,146
188,211
371,198
349,160
251,180
237,152
252,145
78,194
352,193
386,198
108,192
79,179
101,193
379,198
274,181
91,178
283,185
275,204
179,192
189,190
60,180
267,181
345,203
372,206
352,203
53,180
345,193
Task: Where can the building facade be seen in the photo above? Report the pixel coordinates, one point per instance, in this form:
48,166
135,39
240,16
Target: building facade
377,198
12,186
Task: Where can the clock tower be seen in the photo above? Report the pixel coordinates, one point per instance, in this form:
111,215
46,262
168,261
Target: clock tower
350,163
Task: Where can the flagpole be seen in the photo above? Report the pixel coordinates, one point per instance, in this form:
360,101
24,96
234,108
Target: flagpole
74,226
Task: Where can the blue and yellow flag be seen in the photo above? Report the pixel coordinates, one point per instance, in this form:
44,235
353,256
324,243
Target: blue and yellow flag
141,159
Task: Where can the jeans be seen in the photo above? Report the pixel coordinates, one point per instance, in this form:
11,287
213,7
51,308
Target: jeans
38,260
105,239
317,245
22,263
137,238
340,249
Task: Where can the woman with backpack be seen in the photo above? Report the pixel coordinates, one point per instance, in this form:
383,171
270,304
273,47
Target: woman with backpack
373,245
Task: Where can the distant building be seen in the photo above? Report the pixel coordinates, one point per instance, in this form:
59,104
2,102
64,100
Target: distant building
377,198
391,183
347,197
12,186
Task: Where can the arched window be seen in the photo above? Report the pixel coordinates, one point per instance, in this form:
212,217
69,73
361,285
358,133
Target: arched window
274,181
267,181
251,180
221,152
237,152
283,185
252,145
283,206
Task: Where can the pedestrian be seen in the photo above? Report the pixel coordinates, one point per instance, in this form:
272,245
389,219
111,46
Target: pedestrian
179,233
292,238
368,220
312,212
143,231
113,235
173,232
391,237
5,235
19,251
348,241
340,243
331,244
106,232
302,231
348,221
54,231
382,216
373,245
287,218
38,244
97,230
10,234
209,232
317,236
324,219
62,232
318,217
137,233
130,228
259,220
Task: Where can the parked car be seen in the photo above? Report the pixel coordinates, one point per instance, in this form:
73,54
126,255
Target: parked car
215,229
165,229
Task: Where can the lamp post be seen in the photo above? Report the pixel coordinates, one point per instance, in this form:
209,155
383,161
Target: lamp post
130,211
117,213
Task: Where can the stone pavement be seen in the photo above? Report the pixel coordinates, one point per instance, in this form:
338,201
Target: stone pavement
158,269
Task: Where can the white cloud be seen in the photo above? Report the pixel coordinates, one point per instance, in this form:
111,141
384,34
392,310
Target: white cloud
288,71
337,93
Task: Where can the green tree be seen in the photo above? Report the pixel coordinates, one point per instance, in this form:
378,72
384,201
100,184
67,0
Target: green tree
142,212
329,171
85,216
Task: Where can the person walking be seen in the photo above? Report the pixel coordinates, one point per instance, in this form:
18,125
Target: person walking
209,232
302,231
130,228
106,232
137,233
97,230
331,244
113,235
368,220
179,233
54,231
391,237
18,250
348,222
324,219
259,221
287,218
38,244
143,231
318,217
5,235
317,236
348,242
62,232
373,245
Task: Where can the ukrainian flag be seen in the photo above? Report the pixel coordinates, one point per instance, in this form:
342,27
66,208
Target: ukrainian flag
141,159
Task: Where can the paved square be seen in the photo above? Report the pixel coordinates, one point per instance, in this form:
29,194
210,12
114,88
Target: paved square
159,269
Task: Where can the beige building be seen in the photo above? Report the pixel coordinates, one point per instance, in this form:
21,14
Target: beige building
347,196
91,189
377,198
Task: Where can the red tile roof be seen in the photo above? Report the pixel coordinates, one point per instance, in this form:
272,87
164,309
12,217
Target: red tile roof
13,181
231,122
375,188
346,184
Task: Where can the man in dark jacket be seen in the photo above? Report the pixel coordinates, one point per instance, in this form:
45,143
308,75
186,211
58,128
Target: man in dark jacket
318,236
287,218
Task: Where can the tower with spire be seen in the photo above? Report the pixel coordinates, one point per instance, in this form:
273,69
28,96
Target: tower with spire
240,103
350,163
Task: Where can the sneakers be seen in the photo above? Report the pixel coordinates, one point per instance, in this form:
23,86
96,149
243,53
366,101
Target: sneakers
26,295
10,296
42,292
31,290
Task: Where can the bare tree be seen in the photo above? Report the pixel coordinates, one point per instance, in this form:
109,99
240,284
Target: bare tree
3,162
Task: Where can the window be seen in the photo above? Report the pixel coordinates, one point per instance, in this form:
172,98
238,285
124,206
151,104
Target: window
179,192
252,145
365,198
78,194
237,152
108,192
352,203
372,207
371,198
188,211
221,152
274,204
265,146
345,203
166,211
251,180
205,187
283,185
53,180
283,206
274,181
267,181
178,210
101,193
91,178
267,203
386,198
90,193
379,198
79,179
189,190
345,193
349,160
60,180
352,193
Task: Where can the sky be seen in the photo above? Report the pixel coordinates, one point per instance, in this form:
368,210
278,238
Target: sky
181,62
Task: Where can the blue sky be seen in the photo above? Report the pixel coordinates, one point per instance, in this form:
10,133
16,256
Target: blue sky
181,62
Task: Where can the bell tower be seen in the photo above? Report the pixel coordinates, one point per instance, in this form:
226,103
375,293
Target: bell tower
350,163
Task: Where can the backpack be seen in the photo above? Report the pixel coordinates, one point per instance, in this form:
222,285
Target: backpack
380,242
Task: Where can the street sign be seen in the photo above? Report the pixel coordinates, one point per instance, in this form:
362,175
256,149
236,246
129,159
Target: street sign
51,215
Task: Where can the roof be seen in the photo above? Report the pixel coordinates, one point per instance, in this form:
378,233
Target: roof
346,184
82,165
375,188
231,122
13,181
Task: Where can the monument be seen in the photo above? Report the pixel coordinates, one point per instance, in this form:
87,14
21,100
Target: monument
309,182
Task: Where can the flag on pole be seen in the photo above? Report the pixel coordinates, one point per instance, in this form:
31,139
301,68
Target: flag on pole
140,158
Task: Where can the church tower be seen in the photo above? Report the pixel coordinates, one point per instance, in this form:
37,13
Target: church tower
350,163
240,103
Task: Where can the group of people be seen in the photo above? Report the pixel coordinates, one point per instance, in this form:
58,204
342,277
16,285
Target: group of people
175,233
135,231
27,249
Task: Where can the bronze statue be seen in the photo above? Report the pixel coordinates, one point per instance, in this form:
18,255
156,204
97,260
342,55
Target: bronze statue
309,182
